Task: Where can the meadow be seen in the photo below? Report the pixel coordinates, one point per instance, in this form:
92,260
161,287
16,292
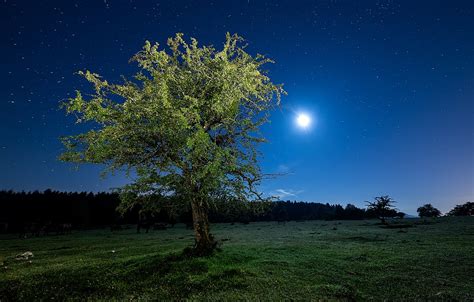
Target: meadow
310,260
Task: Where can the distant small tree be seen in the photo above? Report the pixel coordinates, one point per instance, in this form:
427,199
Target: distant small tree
466,209
382,208
428,210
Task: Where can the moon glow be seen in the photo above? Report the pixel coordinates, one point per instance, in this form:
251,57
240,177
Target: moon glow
303,120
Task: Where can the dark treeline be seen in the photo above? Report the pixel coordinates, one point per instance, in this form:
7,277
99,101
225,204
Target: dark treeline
290,210
82,209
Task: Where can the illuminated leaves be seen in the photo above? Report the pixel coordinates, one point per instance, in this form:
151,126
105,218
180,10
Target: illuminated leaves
187,122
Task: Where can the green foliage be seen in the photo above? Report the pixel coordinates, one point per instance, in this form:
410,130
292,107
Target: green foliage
265,261
427,210
466,209
186,125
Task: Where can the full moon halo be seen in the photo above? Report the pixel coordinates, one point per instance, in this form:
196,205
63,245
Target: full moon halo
303,120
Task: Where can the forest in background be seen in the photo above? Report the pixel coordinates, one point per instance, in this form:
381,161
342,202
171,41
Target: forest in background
89,210
85,210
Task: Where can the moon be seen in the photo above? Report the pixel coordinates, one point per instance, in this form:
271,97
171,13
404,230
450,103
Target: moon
303,120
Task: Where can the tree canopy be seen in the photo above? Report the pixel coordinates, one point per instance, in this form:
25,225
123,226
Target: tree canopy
427,210
187,124
466,209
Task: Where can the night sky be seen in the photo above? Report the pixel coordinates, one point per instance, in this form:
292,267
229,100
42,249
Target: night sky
389,86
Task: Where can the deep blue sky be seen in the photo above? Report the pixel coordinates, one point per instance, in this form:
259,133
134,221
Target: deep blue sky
389,85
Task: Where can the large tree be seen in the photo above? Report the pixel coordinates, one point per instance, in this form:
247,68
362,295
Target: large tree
186,126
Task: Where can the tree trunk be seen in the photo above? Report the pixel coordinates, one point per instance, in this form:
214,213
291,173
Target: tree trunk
204,241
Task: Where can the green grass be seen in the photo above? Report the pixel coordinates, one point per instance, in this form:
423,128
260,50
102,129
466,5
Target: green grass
312,260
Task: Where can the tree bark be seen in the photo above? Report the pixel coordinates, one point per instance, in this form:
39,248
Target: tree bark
204,241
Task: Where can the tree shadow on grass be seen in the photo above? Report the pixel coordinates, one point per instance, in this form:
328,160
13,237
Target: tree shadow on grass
365,239
154,277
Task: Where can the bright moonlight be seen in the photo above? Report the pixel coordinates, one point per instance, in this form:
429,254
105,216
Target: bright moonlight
303,120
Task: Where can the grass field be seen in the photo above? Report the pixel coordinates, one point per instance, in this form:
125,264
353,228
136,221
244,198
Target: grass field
312,260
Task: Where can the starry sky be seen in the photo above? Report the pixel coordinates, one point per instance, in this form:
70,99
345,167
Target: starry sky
389,86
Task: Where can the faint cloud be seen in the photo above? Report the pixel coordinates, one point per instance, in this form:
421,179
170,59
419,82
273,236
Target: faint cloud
285,193
283,168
